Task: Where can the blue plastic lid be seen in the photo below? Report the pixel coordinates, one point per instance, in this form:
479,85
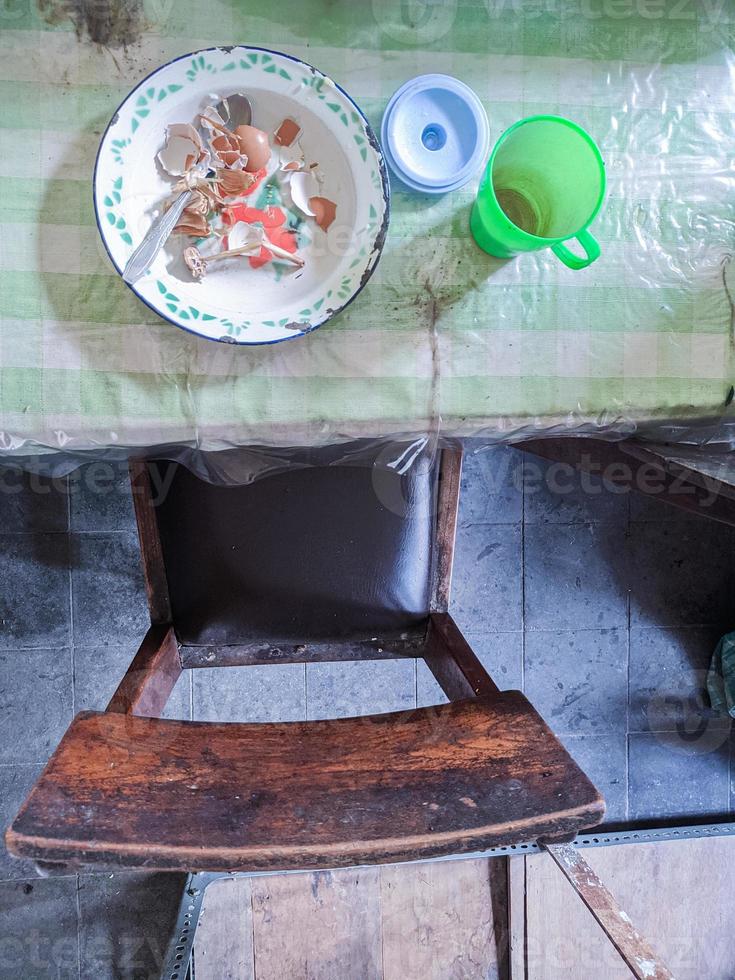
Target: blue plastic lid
435,133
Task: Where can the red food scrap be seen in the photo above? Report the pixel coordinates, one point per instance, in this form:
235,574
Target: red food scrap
271,217
273,220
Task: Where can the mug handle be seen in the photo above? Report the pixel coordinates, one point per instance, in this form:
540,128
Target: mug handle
588,243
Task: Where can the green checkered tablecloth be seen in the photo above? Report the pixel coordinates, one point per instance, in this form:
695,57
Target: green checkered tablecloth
443,336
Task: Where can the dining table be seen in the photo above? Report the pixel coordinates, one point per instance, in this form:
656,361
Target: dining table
445,340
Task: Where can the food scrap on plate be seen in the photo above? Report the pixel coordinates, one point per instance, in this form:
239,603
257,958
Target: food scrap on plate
223,168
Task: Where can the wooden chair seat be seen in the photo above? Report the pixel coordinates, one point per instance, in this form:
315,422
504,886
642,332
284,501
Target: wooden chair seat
123,790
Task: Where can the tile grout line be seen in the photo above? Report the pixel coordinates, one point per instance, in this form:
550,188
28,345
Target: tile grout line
622,626
16,765
34,880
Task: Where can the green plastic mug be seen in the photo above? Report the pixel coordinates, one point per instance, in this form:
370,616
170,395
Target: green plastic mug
543,185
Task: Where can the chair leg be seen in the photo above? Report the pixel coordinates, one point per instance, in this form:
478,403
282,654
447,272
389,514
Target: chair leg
450,478
150,678
151,554
452,661
634,949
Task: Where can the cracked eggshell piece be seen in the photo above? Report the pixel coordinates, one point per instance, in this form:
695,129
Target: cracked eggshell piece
243,235
231,182
303,185
179,154
212,119
291,158
287,133
324,211
199,204
226,150
186,131
224,145
193,223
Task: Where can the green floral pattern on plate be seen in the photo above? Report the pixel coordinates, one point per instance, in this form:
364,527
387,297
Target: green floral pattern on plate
176,306
116,148
200,65
114,219
234,329
144,100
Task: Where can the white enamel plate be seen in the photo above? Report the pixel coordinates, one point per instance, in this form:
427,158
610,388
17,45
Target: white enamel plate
235,303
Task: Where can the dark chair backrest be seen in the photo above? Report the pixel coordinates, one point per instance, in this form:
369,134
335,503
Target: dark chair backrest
319,552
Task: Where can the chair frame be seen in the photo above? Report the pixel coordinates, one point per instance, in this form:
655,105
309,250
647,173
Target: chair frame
150,678
563,804
156,667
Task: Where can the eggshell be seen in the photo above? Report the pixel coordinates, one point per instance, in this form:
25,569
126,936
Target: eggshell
324,211
242,235
212,119
193,223
255,146
287,132
233,182
178,155
186,130
291,157
227,150
303,185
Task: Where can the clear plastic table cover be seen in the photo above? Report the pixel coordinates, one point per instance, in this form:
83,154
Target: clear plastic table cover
445,341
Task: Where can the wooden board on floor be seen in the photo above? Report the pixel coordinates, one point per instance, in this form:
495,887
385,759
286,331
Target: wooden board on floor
224,939
516,918
448,919
324,925
444,920
679,894
428,921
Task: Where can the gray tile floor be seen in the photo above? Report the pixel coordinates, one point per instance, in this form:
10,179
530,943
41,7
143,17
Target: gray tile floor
604,608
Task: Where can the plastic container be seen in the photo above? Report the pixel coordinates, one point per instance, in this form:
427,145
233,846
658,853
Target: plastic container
435,133
543,185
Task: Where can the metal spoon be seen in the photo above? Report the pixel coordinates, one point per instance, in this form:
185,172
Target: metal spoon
235,110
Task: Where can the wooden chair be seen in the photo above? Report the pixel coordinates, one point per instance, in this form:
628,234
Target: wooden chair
319,563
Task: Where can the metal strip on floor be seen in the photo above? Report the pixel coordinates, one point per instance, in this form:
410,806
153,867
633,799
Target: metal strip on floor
178,953
608,838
